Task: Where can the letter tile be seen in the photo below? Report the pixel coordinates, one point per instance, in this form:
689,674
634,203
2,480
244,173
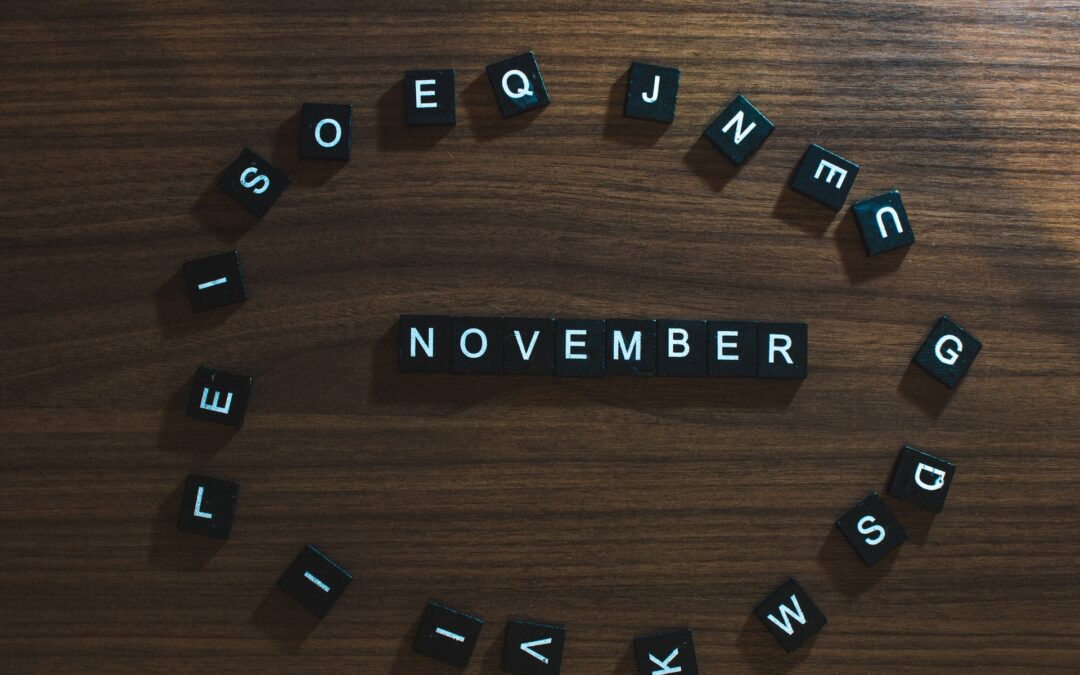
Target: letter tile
579,347
782,351
517,84
315,581
529,346
922,479
214,281
681,348
253,182
651,92
430,98
326,131
739,130
219,397
447,635
790,615
533,648
631,347
208,506
669,652
477,345
872,529
825,177
424,343
948,352
883,223
733,348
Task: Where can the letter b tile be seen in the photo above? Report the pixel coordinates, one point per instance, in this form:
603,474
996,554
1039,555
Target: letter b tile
681,348
948,352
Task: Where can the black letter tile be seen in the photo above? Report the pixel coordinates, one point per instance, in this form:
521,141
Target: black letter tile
782,351
315,581
533,648
447,635
872,529
529,346
883,223
579,347
739,130
666,653
253,182
424,344
733,348
325,131
681,348
631,347
477,345
922,479
219,397
825,177
948,352
214,281
518,85
790,615
430,98
208,506
651,92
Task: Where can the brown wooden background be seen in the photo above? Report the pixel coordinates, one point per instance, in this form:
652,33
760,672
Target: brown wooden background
615,506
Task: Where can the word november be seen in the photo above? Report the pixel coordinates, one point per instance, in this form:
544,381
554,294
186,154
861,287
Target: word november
596,347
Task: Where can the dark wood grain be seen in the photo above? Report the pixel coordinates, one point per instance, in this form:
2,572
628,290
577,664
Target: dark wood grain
615,506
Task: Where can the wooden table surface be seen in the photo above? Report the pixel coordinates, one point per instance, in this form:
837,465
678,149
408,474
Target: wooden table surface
615,506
